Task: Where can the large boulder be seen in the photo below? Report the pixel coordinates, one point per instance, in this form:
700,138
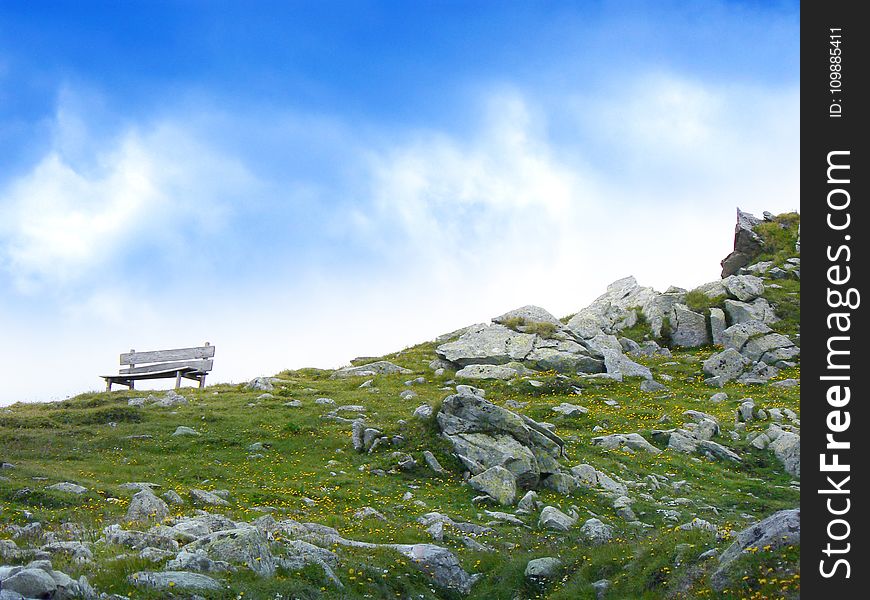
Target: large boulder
440,564
521,318
246,545
174,580
486,372
145,506
485,435
688,328
726,365
743,312
555,520
744,287
747,244
31,583
782,528
488,344
787,448
614,310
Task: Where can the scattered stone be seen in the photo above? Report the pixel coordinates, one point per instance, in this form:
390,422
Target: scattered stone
596,532
408,394
652,386
182,430
633,441
324,401
263,384
497,482
381,367
570,410
544,569
786,383
486,372
555,520
168,580
203,497
433,462
145,507
367,512
68,487
424,411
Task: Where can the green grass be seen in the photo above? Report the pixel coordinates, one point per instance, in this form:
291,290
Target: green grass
87,440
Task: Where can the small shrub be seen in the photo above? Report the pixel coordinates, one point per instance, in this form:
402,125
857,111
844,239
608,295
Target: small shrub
545,330
702,303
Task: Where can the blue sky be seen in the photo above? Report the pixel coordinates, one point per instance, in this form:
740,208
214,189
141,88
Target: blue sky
303,182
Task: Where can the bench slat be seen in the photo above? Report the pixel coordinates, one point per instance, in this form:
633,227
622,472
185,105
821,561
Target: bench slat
138,358
192,365
123,379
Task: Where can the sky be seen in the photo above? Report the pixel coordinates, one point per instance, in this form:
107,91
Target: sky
301,183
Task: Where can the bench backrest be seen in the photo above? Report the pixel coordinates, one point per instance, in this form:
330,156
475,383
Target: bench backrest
165,360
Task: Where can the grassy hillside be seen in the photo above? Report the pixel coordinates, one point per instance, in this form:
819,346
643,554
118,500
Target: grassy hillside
309,471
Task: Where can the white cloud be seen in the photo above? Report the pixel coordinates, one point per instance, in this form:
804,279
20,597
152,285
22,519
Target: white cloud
70,220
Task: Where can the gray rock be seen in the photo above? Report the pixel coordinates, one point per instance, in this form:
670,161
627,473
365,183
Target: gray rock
527,315
498,483
433,462
577,360
652,386
138,540
381,367
634,441
203,497
688,328
182,430
570,410
543,569
324,401
737,335
68,487
262,384
246,545
561,483
145,506
787,448
367,512
424,411
555,520
601,586
180,580
407,394
198,561
596,532
438,563
757,348
747,244
717,325
782,528
726,365
617,309
786,383
718,397
528,503
486,372
488,344
742,312
744,287
717,451
31,583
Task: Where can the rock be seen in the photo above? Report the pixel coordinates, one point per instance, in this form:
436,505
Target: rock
246,545
498,483
181,580
617,309
718,397
555,520
742,312
561,483
407,394
688,328
68,487
470,390
489,344
324,401
596,532
737,335
524,316
138,540
717,451
201,497
73,549
358,428
172,398
145,506
433,462
782,528
747,244
262,384
717,325
528,503
601,586
181,430
381,367
744,287
787,448
197,561
726,365
758,373
543,569
570,410
634,441
31,583
485,435
786,383
367,512
757,348
585,474
424,411
652,386
438,563
679,442
700,525
486,372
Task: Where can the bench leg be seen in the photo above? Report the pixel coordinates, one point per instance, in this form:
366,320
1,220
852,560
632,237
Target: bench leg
132,385
178,380
202,382
108,385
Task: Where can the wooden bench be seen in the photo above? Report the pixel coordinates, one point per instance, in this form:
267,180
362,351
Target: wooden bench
189,363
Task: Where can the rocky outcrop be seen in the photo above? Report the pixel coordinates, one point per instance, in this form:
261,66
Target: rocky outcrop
782,528
747,244
484,435
380,367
